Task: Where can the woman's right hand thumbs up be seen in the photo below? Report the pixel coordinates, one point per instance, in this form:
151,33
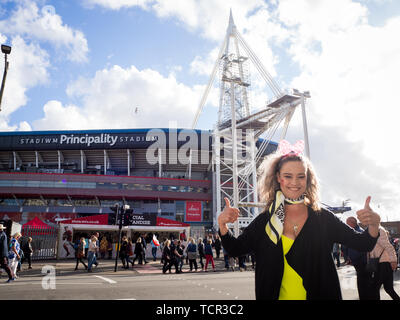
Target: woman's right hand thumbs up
228,215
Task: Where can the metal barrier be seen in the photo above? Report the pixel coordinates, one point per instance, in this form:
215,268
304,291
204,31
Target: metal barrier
44,241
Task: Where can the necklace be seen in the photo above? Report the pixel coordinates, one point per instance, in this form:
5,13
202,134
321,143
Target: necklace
295,225
295,201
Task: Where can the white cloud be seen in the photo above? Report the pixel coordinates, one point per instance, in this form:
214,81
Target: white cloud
28,65
123,98
352,116
209,17
350,67
56,115
26,28
44,24
117,4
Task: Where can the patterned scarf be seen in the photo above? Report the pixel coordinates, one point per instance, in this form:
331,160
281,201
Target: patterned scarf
274,227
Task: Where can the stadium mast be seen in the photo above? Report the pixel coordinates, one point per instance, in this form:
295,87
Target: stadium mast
235,153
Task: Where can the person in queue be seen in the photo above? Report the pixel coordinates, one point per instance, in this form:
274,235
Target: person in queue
4,262
293,238
387,265
359,261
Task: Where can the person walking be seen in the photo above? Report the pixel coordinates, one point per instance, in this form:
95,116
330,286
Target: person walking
209,255
175,255
166,256
4,263
336,253
28,251
217,246
226,258
130,252
13,254
124,253
92,250
109,248
80,253
191,251
179,257
154,245
387,265
293,237
139,251
97,235
144,245
200,248
359,261
103,247
242,263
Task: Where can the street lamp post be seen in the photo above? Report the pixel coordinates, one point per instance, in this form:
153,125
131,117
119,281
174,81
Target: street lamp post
6,50
118,219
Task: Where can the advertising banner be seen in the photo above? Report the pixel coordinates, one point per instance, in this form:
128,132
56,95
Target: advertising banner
144,219
101,219
163,222
193,211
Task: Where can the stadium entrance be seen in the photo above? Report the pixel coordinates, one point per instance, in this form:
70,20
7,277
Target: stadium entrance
72,230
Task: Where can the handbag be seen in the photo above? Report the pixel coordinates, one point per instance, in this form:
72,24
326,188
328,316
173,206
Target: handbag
192,255
373,263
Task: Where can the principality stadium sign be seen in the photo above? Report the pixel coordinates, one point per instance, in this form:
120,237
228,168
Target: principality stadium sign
91,139
76,140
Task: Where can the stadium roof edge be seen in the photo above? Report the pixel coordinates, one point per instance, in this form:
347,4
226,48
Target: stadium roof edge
94,131
98,131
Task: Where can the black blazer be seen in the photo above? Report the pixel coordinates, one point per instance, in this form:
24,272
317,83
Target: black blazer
310,255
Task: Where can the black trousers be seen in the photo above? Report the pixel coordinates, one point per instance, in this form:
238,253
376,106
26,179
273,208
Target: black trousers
81,261
27,256
191,263
169,263
364,283
5,266
385,276
201,261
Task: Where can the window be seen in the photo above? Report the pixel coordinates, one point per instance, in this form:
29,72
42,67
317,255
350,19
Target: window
180,217
207,215
167,214
8,202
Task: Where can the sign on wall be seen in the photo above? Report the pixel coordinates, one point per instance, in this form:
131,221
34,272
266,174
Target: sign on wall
193,211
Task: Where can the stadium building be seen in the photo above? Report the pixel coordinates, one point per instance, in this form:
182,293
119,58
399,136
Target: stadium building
165,175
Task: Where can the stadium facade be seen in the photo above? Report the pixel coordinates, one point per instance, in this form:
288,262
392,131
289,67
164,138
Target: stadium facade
58,175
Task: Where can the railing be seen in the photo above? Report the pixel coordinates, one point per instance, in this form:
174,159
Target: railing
44,241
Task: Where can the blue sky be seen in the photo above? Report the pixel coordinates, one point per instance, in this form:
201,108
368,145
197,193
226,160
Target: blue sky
88,64
129,36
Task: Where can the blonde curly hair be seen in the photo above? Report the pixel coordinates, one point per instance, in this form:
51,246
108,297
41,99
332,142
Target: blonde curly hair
268,183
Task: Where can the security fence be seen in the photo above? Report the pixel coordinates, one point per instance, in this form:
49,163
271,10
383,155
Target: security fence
44,241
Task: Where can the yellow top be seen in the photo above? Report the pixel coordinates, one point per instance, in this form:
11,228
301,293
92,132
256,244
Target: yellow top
292,284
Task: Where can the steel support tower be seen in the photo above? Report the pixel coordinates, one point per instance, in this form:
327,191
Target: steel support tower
235,151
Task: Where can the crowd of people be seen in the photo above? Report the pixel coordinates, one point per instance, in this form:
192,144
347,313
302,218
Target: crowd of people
172,252
200,254
12,254
386,251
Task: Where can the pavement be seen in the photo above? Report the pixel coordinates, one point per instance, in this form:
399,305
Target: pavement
67,266
57,280
104,283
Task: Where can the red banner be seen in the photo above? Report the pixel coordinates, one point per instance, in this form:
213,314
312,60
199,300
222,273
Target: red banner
193,211
163,222
97,219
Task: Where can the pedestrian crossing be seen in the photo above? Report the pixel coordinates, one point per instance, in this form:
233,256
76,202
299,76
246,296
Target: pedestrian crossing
147,268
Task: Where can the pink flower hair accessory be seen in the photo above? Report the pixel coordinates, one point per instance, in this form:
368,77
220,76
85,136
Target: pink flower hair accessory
286,149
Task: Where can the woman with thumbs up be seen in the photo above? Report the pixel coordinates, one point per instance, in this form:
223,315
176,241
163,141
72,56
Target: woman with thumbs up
293,237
